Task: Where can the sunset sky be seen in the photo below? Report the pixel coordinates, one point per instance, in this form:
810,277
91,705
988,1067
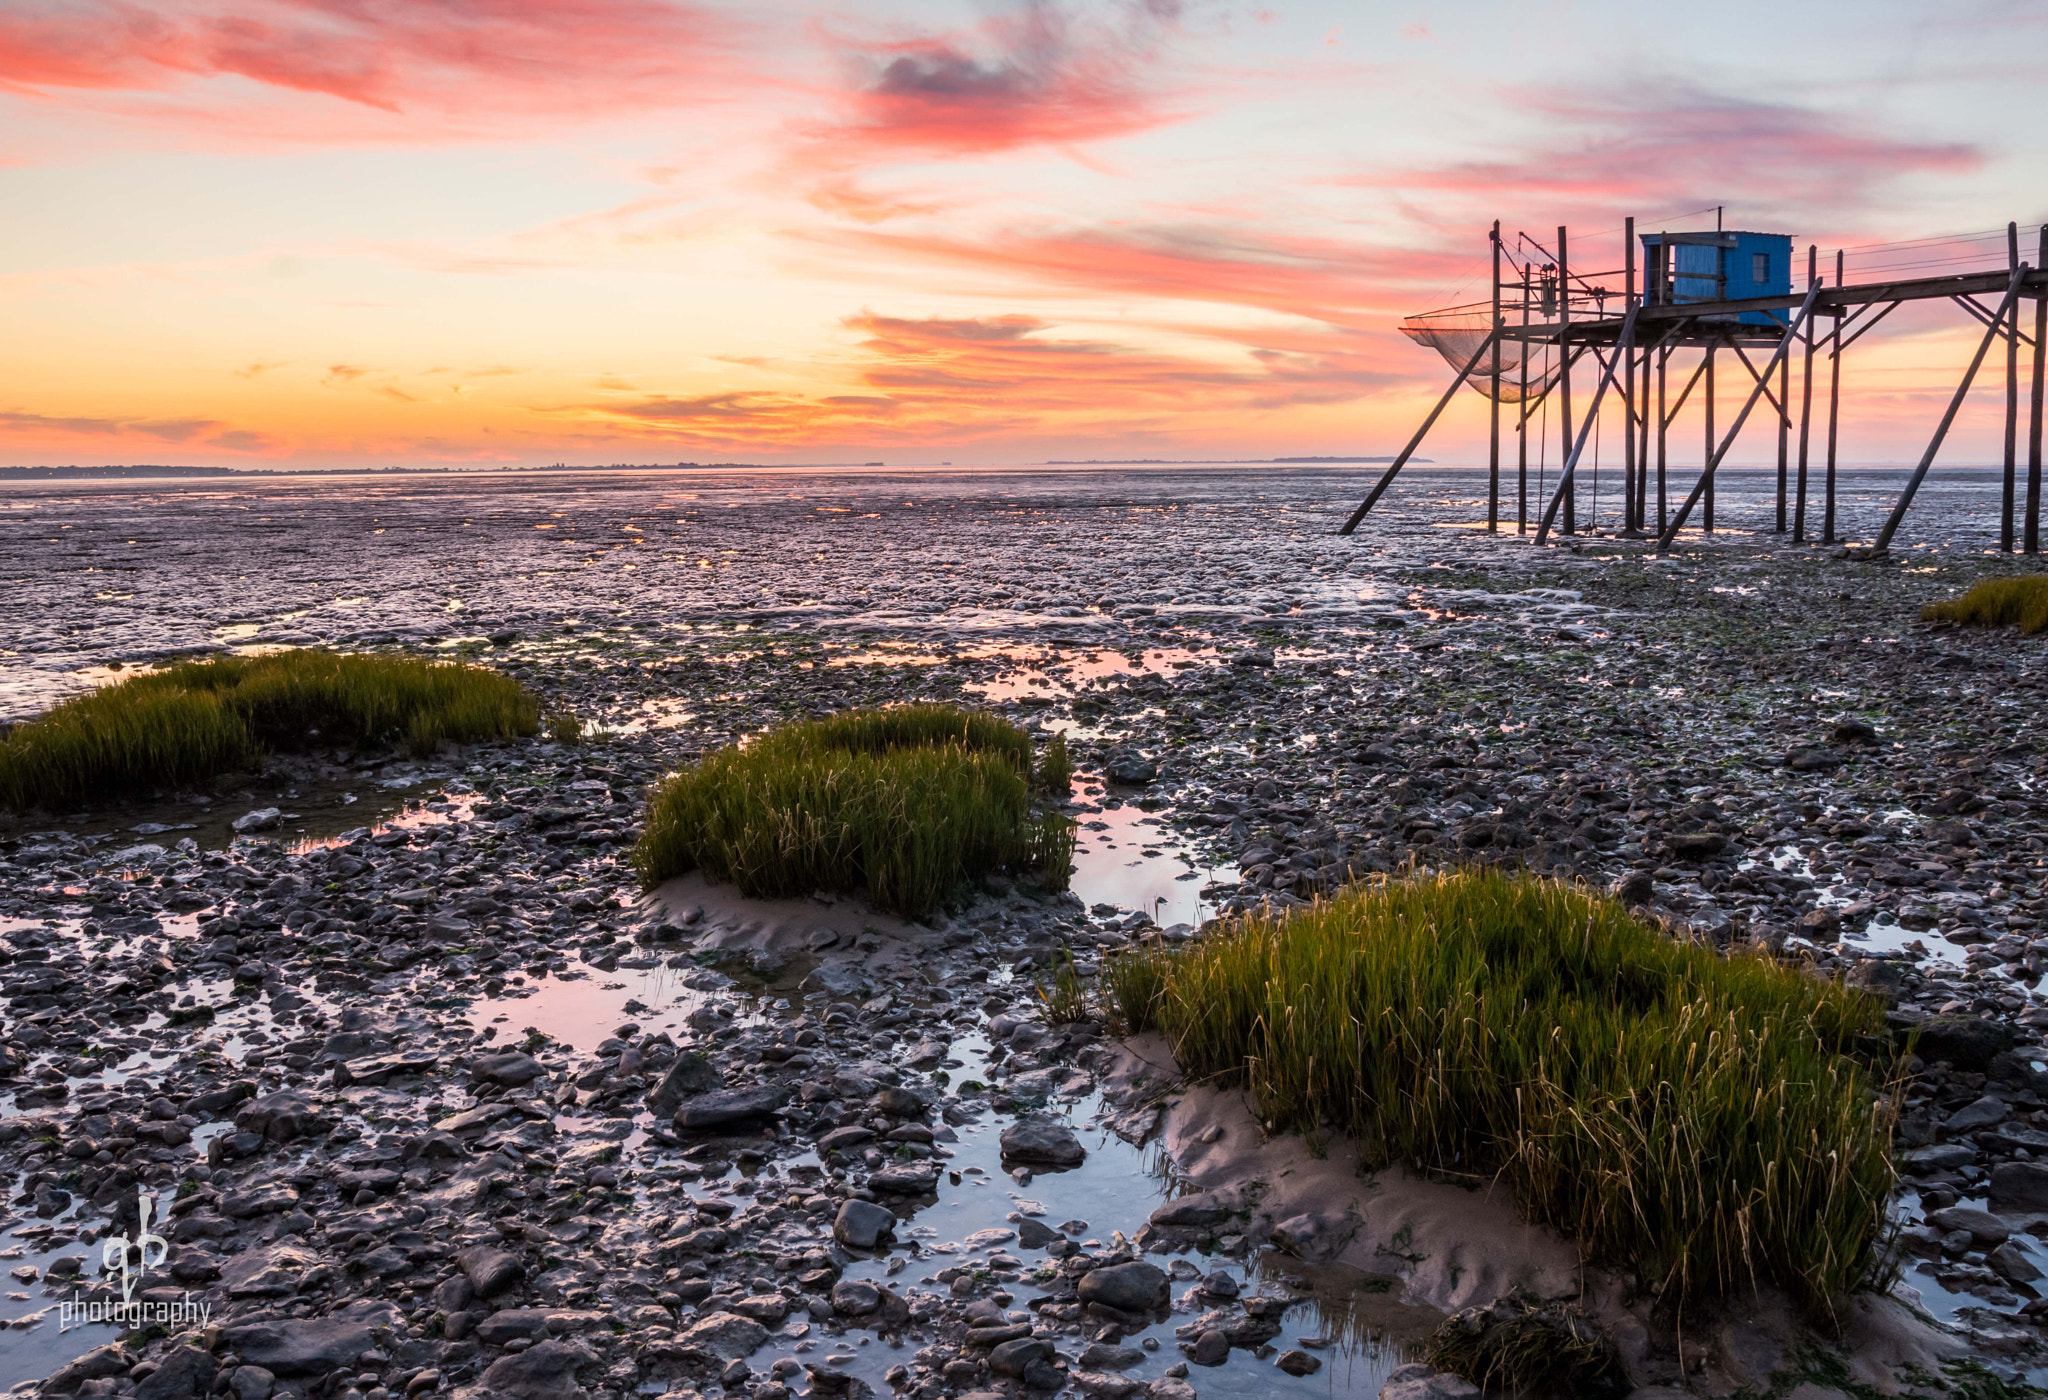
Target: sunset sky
339,232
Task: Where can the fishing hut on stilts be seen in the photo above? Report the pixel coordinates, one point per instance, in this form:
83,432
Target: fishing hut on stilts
1730,301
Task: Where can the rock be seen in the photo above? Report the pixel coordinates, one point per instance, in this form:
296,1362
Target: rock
906,1179
544,1371
1102,1356
1194,1212
1313,1239
1013,1358
1967,1042
1209,1348
110,1360
863,1224
1220,1284
1636,887
1103,1385
1298,1363
268,1199
1252,656
251,1383
1943,1157
688,1077
511,1069
186,1372
855,1297
267,1273
2019,1186
840,1139
1419,1382
726,1335
217,1101
1983,1227
506,1324
1035,1234
1170,1388
311,1346
1814,760
1855,731
730,1106
2012,1263
1696,845
1136,1287
1130,769
1042,1142
281,1117
262,819
1983,1113
491,1271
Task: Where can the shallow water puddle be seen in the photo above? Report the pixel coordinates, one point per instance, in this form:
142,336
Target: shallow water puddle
1921,1285
1354,1321
585,1008
1058,675
1127,857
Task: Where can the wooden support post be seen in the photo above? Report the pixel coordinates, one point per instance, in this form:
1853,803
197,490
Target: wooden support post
2032,542
1627,351
1578,448
1891,524
2012,396
1522,417
1706,482
1784,433
1422,432
1493,401
1707,476
1642,431
1664,422
1827,526
1564,321
1805,404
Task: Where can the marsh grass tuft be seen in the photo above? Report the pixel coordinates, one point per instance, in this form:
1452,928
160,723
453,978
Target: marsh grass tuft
1065,998
1056,768
906,803
2000,602
1519,1346
194,720
1696,1117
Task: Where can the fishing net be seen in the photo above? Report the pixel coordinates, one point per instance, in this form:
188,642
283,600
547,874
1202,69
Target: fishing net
1456,333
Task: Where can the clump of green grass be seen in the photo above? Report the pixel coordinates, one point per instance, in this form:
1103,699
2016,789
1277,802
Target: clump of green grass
905,803
563,726
1065,998
1056,767
1702,1119
1998,602
192,721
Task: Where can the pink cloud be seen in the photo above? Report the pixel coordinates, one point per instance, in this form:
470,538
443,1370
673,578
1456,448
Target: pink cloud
1040,74
467,63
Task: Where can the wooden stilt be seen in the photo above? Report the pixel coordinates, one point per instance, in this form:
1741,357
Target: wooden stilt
1805,406
1663,422
1705,485
1627,351
2012,396
1891,524
1784,433
1522,418
1387,479
2032,541
1578,448
1707,521
1827,526
1493,402
1564,321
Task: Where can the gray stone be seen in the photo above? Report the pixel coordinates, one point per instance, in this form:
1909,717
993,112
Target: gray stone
1314,1239
184,1373
2011,1262
1035,1234
855,1297
1298,1363
511,1069
1104,1385
260,1200
2020,1186
726,1335
1042,1142
1197,1212
315,1345
1967,1042
906,1179
1209,1348
1013,1357
1983,1227
262,819
491,1271
267,1273
506,1324
251,1383
544,1371
689,1076
1418,1382
1102,1356
863,1224
1696,845
1983,1113
1944,1157
1136,1287
730,1106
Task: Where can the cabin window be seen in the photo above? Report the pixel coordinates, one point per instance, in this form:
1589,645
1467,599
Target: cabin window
1760,269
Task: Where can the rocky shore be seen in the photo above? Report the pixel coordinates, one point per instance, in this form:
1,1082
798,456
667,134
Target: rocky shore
443,1104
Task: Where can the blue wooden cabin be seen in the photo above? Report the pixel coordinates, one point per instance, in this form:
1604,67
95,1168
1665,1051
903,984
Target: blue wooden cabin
1715,266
